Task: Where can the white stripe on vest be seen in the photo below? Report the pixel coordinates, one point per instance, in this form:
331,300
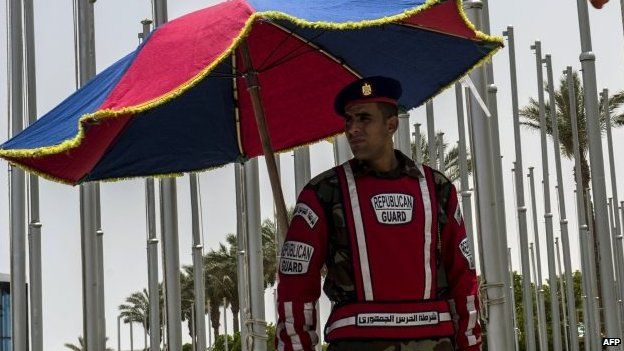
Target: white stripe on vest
359,232
424,189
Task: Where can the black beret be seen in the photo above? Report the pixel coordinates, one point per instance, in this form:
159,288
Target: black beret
369,89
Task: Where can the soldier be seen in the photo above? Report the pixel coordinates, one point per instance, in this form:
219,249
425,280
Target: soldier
390,232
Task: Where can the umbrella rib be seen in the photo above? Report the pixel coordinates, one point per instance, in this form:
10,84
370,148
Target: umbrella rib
415,26
289,56
261,66
318,48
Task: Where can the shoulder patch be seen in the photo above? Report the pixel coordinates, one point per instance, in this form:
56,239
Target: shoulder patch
295,258
307,213
465,250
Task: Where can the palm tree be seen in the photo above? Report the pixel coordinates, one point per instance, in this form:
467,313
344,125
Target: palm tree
81,346
224,265
222,269
451,158
530,119
187,295
136,309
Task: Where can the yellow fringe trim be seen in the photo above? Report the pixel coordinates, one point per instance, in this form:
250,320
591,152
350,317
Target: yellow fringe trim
101,115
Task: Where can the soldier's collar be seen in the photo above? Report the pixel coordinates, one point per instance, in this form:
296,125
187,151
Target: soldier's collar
406,166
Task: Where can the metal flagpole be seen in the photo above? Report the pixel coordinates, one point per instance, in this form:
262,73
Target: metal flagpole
617,250
402,135
585,309
417,154
119,333
152,265
242,262
91,256
99,245
594,292
498,303
152,245
342,150
540,324
256,270
463,168
563,218
225,326
478,244
169,232
198,265
440,146
563,301
17,186
527,301
210,334
278,226
622,212
34,226
492,105
145,347
622,15
302,168
541,308
193,331
588,61
554,305
614,193
278,242
431,143
171,261
586,245
513,299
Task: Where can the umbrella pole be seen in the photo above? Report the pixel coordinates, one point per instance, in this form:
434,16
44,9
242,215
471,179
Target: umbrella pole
253,86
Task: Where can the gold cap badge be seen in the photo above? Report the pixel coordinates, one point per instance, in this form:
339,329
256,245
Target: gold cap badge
367,89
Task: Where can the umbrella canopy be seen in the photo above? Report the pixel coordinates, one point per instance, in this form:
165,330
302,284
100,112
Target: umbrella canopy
179,102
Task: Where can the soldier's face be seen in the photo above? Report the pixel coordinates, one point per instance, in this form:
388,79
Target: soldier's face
368,131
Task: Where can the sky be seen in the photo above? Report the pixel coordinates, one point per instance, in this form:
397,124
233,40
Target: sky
117,23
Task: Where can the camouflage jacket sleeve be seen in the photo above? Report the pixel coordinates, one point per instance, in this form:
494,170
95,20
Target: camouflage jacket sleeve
302,257
461,275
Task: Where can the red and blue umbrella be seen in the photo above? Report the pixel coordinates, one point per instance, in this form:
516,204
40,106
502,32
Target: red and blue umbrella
180,103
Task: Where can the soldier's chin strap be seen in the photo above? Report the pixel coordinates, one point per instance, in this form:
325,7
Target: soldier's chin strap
466,82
